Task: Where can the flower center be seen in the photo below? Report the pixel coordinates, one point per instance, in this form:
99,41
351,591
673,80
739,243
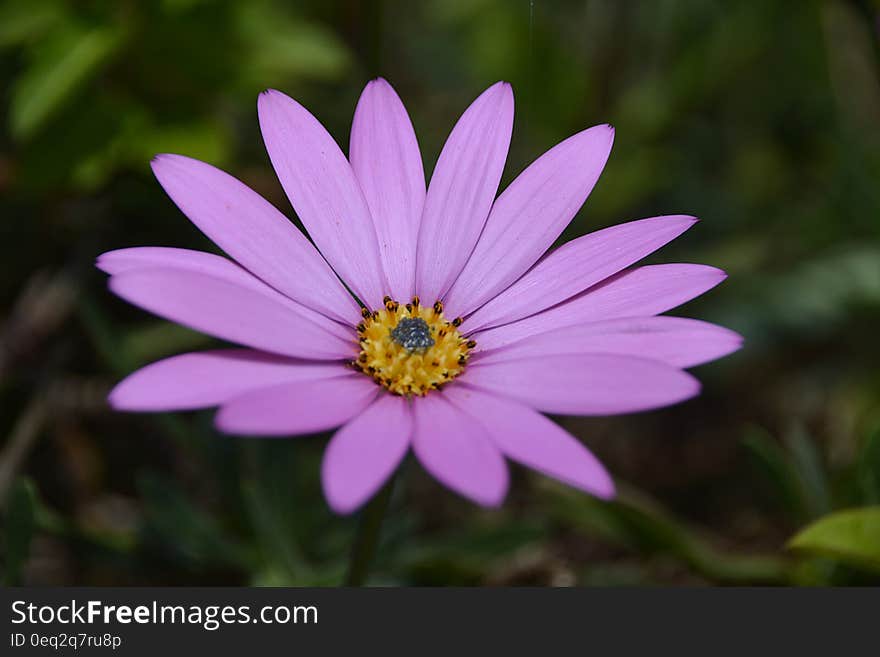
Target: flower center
411,349
413,334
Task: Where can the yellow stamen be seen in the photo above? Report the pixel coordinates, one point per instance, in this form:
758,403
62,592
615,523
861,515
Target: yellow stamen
411,349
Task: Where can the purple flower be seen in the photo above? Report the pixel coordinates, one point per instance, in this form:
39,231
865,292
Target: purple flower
468,328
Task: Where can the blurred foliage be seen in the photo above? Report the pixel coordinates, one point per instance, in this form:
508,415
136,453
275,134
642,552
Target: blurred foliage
850,536
762,118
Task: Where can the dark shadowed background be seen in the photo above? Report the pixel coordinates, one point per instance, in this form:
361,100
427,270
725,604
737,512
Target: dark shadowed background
762,118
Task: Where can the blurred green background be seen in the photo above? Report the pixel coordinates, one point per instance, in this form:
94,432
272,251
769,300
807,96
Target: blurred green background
762,118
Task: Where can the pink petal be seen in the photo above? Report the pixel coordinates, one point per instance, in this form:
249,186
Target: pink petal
529,216
253,232
385,157
577,265
364,453
235,310
462,189
585,384
529,438
321,186
166,257
639,292
297,408
152,257
673,340
210,378
458,452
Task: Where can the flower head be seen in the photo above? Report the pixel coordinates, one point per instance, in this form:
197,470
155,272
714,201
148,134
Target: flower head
423,319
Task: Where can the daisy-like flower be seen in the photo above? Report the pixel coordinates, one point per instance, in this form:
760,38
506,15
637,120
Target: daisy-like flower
432,320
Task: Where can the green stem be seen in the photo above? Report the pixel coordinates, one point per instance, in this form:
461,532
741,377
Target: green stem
367,537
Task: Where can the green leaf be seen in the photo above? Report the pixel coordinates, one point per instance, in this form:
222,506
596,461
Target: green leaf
185,530
19,529
60,66
639,523
275,513
777,467
869,468
159,339
282,45
851,536
24,20
808,461
467,555
280,554
208,140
